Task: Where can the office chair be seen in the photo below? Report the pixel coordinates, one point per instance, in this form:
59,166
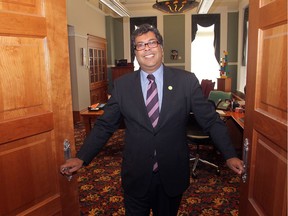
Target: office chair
198,137
207,86
221,100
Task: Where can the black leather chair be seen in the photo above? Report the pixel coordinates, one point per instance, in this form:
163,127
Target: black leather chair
196,136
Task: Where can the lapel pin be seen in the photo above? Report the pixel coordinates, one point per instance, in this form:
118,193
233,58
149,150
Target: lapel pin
170,88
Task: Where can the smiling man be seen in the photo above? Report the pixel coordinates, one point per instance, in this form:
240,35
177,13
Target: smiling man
155,102
149,59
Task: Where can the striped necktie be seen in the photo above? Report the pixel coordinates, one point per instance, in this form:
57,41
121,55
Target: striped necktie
152,104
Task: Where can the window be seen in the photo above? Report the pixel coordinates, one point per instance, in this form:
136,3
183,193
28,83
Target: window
135,62
205,50
203,61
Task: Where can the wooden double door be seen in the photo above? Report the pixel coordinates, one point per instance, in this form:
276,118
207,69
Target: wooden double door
35,109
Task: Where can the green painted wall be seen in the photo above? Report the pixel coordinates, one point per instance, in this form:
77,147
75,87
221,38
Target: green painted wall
115,45
114,37
118,39
232,36
174,37
109,38
232,47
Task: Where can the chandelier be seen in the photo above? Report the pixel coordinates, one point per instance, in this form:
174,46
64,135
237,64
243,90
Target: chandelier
175,6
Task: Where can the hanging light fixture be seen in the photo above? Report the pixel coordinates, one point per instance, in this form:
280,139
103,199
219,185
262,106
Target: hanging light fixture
175,6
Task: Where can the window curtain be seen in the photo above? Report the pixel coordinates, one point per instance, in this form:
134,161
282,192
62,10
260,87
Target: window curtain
139,21
206,20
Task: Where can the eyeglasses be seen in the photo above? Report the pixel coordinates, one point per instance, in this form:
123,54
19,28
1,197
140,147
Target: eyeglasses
151,44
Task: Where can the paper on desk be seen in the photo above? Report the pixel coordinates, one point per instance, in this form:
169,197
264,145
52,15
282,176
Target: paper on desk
241,103
220,112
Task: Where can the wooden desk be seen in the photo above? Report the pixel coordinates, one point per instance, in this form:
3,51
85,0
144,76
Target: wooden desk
237,117
235,125
121,70
89,118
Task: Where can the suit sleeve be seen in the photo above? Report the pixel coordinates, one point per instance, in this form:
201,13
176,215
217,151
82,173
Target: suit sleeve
103,129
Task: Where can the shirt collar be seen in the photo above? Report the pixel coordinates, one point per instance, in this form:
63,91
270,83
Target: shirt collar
158,74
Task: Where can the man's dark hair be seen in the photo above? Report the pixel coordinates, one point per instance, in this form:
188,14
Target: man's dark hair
143,29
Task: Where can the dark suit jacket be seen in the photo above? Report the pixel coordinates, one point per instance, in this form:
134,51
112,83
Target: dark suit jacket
182,94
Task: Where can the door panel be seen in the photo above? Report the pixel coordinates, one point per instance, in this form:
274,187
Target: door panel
29,177
35,109
265,190
23,6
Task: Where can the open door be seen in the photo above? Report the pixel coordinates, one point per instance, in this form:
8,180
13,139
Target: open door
265,189
35,109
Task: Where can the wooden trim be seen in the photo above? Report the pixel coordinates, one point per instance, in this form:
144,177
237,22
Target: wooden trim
76,117
27,126
240,96
22,25
94,41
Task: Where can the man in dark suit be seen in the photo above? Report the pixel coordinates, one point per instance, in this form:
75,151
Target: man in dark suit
155,168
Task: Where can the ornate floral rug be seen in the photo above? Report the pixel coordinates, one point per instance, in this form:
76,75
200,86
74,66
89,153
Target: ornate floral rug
100,191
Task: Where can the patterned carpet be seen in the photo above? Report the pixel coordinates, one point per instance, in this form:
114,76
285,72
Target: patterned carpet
101,193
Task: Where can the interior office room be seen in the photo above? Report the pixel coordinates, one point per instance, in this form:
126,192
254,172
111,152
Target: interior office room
59,61
176,30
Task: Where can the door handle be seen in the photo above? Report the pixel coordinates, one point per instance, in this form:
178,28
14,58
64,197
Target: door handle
245,159
67,155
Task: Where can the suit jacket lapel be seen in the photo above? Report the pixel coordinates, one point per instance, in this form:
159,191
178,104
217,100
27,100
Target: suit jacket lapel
141,107
168,83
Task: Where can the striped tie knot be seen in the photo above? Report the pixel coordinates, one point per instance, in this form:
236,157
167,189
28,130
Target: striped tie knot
151,78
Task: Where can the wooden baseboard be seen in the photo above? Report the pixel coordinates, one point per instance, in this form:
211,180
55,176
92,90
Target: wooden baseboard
76,116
